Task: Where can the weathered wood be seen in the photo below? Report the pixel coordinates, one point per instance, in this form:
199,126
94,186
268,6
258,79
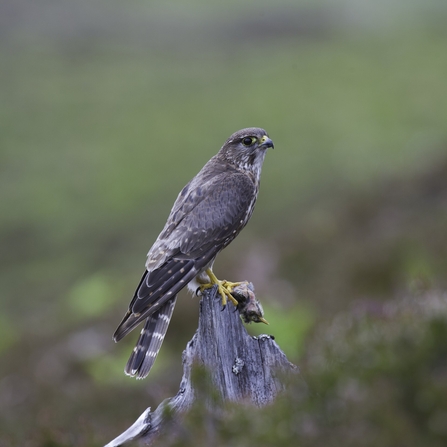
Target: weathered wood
241,367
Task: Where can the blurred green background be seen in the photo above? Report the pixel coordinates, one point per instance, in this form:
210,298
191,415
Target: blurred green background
108,108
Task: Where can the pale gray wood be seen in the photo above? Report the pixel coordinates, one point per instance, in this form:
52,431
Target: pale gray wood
241,367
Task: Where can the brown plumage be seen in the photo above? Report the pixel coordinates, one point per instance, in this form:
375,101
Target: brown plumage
208,214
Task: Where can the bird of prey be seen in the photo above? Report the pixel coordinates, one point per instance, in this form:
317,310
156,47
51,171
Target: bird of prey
208,214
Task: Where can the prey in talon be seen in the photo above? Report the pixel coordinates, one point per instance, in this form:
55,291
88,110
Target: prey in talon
249,307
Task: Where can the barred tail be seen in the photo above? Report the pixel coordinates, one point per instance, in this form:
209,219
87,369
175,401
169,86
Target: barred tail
150,341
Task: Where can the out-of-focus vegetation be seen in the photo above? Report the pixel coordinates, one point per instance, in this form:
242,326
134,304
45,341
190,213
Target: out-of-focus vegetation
107,109
374,376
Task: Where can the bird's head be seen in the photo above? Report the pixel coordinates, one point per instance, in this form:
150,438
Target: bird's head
249,307
246,148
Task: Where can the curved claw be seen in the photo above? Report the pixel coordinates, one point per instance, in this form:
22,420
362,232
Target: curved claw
223,287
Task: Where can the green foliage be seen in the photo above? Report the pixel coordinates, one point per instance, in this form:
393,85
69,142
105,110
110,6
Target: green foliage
8,334
92,296
289,326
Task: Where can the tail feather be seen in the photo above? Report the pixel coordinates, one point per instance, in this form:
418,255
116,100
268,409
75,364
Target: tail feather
150,341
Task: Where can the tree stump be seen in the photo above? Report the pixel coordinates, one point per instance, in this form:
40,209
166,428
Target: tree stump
242,368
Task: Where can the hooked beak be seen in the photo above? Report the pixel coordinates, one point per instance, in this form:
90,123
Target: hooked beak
266,142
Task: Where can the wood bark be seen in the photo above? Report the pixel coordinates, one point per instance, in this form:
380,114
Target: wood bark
242,368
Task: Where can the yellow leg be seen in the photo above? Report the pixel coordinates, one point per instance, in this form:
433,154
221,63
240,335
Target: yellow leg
224,287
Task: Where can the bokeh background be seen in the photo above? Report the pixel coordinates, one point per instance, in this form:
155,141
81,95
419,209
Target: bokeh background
108,108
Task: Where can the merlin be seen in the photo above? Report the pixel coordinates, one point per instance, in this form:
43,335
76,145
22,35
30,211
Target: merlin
209,213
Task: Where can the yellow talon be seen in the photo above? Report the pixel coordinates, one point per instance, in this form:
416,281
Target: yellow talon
224,287
230,285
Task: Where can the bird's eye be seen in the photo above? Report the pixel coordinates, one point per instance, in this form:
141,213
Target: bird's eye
248,141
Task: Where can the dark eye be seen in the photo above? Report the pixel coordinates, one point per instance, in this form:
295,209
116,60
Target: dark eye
248,141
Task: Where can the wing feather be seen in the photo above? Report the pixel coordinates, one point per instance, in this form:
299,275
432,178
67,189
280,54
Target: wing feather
208,207
144,304
218,216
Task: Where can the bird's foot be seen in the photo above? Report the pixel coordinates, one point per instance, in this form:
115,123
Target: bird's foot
231,285
224,288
